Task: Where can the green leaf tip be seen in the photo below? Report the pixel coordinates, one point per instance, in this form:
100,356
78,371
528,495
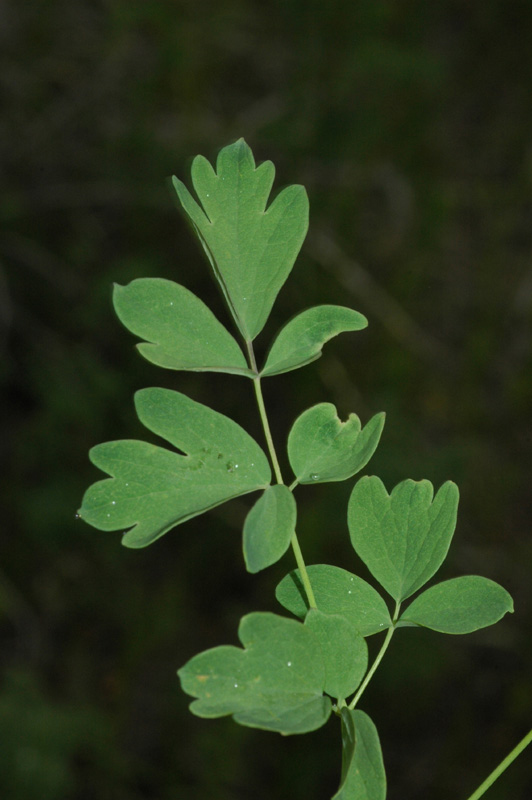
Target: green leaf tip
251,248
322,448
459,605
363,775
152,489
269,527
301,340
275,683
179,330
403,537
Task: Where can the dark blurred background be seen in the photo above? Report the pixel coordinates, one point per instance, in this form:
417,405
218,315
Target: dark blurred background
410,124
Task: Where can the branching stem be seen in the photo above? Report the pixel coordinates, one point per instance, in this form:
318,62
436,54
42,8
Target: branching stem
277,470
380,655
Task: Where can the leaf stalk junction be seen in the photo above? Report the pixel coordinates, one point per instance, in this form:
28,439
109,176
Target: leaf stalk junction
277,470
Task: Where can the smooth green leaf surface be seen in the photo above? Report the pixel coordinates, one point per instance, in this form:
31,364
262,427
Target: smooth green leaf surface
275,683
251,248
301,340
321,448
180,331
404,537
345,652
363,775
348,746
269,527
337,591
460,605
154,489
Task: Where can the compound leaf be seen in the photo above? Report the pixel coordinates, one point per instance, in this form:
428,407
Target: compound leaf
363,775
276,682
269,527
250,248
301,340
154,489
404,537
321,448
337,591
345,652
460,605
181,332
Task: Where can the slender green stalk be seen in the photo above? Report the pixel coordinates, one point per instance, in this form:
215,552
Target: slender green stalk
380,655
267,431
303,570
263,414
492,777
278,475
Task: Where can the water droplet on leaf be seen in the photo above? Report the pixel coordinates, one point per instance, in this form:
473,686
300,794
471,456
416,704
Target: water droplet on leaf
288,663
77,516
314,476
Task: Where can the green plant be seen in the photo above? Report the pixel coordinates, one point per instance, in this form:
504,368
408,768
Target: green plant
290,673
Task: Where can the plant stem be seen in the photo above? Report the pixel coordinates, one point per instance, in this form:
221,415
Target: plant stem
267,431
303,570
380,655
502,766
277,470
